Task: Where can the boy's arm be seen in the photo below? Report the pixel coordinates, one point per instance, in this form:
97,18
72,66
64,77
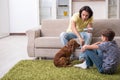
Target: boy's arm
93,46
97,43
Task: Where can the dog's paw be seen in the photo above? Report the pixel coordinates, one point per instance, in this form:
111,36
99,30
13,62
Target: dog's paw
70,65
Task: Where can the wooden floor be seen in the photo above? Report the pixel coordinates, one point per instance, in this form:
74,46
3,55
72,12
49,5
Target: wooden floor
12,50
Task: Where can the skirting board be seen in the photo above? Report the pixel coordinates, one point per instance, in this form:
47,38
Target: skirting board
17,33
85,0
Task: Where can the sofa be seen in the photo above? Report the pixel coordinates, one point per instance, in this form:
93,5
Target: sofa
44,41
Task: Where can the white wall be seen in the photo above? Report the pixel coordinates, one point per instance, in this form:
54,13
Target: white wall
24,15
98,7
4,18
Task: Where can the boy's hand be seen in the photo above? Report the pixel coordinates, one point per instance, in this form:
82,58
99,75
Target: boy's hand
83,48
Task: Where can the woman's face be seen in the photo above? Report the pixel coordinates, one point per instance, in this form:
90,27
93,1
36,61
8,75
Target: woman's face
84,15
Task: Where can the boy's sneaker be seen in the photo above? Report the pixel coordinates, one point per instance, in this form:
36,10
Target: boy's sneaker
82,65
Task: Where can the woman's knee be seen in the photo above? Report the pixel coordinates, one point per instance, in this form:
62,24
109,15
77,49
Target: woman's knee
89,35
62,34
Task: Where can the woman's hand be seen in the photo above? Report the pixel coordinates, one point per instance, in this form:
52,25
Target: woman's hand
90,31
89,27
81,41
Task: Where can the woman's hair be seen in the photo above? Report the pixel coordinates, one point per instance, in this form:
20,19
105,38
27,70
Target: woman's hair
109,33
87,9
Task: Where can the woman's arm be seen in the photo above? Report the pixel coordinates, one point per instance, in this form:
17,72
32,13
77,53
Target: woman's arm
73,26
90,26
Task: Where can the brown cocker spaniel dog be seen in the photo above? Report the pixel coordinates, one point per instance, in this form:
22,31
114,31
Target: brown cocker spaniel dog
62,57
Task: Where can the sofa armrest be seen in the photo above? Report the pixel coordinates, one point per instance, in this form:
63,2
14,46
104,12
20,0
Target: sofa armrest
32,34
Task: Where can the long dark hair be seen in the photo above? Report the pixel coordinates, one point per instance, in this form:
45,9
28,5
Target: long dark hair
87,9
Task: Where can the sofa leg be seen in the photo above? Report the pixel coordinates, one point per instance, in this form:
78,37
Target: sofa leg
37,58
43,58
40,58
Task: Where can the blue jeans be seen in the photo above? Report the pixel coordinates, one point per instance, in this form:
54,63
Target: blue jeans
94,57
65,37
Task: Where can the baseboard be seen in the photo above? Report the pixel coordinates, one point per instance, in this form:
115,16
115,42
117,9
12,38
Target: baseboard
17,33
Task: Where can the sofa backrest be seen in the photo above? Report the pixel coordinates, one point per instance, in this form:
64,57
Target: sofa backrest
54,27
102,24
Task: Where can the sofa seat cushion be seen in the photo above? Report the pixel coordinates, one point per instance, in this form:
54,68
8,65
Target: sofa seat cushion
48,42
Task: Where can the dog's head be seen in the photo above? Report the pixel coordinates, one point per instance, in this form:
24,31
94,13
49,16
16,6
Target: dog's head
73,44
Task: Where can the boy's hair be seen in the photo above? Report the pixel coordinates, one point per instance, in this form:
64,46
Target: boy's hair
109,33
87,9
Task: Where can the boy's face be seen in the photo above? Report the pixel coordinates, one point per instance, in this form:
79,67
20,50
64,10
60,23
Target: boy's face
103,38
84,15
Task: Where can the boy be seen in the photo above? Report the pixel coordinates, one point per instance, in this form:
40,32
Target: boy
104,54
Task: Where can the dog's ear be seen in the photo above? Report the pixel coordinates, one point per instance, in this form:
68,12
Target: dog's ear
73,48
73,45
69,44
76,44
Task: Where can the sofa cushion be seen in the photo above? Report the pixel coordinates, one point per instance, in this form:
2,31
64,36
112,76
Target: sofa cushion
48,42
117,39
54,42
100,25
95,39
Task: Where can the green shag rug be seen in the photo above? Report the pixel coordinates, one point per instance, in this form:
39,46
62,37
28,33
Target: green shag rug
45,70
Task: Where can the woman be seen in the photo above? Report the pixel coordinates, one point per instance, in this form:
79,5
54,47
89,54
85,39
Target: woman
79,21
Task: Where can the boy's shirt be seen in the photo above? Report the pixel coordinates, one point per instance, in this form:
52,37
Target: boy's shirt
111,53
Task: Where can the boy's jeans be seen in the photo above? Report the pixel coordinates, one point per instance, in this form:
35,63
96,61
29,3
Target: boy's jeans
94,57
65,37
